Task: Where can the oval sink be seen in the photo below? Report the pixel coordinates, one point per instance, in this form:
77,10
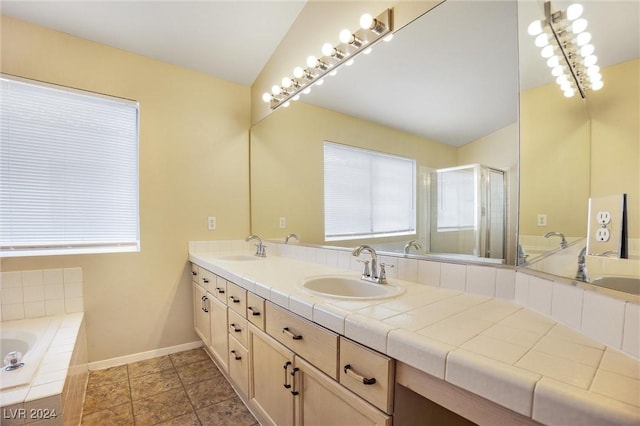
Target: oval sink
348,287
239,257
626,284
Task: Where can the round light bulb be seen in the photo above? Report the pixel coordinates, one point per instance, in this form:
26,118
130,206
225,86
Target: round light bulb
593,69
286,82
286,104
590,61
333,72
306,90
535,28
579,25
583,38
346,36
553,61
557,71
349,62
266,97
562,79
367,50
595,77
542,40
327,49
296,98
298,72
547,51
388,37
366,21
276,90
597,85
320,82
587,50
312,61
574,11
569,93
565,86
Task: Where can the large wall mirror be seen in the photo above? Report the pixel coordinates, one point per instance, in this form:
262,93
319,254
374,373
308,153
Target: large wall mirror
443,92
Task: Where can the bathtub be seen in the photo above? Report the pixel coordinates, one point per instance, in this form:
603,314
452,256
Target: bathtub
51,384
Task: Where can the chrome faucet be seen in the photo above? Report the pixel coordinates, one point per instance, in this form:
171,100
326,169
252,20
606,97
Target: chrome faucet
581,273
563,242
260,248
413,243
374,274
296,236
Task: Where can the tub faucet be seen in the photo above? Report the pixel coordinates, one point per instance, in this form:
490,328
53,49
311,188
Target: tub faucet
260,248
581,273
375,274
563,242
413,243
296,236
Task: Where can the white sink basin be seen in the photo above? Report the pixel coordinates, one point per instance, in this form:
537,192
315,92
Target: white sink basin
621,283
239,257
348,287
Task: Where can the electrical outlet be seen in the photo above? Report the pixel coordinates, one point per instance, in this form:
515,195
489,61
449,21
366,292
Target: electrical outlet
283,223
211,222
542,220
603,235
604,218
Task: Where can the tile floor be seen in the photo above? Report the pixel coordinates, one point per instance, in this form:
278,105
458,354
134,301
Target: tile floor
184,388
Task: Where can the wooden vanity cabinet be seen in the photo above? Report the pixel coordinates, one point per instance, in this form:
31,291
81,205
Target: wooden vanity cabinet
201,313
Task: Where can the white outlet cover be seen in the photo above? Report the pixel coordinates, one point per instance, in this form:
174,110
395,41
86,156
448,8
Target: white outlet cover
604,217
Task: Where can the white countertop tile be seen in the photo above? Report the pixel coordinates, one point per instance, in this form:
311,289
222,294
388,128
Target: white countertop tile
619,363
561,369
367,331
499,350
616,386
418,351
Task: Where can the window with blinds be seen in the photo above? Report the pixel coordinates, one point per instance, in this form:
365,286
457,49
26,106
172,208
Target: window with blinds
367,194
68,171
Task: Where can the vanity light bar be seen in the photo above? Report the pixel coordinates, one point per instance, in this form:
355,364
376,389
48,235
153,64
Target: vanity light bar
567,49
371,31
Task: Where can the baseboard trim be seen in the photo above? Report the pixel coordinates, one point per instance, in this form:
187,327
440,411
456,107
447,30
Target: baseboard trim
141,356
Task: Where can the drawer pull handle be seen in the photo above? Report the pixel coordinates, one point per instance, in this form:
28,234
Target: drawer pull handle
289,333
234,299
235,327
286,376
254,313
294,392
194,273
220,290
205,280
235,355
349,372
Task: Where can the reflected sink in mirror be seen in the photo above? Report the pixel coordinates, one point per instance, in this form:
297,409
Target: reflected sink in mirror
239,257
349,287
626,284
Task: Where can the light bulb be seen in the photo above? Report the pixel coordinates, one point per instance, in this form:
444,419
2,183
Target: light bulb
557,71
320,82
593,69
535,28
590,60
266,97
388,37
547,51
542,40
333,72
349,62
366,21
574,11
286,104
569,93
298,72
562,79
595,77
327,49
565,86
286,82
306,90
367,50
276,90
346,36
583,38
597,85
312,61
579,25
587,50
296,98
553,61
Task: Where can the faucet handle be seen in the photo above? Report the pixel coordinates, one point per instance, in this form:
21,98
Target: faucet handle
382,279
366,272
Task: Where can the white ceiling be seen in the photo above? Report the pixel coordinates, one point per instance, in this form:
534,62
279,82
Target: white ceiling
468,65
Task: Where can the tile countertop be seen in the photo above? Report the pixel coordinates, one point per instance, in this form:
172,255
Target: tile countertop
492,347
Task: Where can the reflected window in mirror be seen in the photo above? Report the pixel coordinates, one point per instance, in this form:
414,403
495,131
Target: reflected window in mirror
367,194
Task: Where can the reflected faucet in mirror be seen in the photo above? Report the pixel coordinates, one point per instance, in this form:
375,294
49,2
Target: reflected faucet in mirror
413,243
563,242
260,247
293,235
581,273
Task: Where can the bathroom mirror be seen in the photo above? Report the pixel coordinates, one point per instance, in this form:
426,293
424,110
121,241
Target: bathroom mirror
434,94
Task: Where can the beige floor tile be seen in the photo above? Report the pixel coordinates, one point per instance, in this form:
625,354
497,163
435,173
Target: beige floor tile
187,357
107,376
120,415
102,397
231,413
148,366
187,420
209,392
197,371
161,407
154,383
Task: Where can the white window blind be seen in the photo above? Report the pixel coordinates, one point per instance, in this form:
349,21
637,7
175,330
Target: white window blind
367,193
68,171
456,199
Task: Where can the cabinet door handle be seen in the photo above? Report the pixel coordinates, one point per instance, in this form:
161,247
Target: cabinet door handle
205,280
294,392
349,372
235,355
235,327
234,299
204,303
194,273
286,376
253,312
220,290
293,335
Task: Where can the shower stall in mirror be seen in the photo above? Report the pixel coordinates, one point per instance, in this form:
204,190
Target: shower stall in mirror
464,211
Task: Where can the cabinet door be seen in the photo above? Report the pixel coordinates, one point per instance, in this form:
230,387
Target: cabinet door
270,379
323,402
218,344
201,313
239,366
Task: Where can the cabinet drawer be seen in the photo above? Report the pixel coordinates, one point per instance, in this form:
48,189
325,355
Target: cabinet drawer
317,345
237,298
367,373
238,365
220,290
207,279
255,310
237,328
194,273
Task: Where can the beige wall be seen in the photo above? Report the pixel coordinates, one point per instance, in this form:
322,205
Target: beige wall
287,164
193,163
615,138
